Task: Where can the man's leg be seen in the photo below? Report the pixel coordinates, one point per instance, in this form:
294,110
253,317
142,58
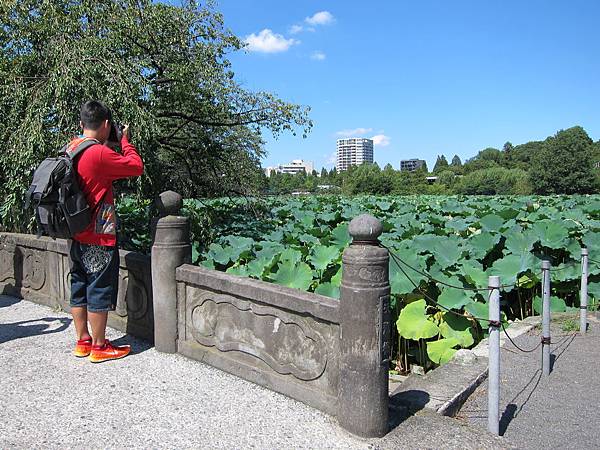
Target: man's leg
80,318
78,292
98,324
101,294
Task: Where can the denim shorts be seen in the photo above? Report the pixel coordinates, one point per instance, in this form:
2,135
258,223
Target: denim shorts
94,276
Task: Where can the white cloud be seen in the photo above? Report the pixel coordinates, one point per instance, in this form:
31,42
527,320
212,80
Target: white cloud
318,56
332,158
295,29
268,42
381,140
320,18
354,132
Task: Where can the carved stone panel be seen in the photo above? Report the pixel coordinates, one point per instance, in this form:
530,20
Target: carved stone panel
34,269
132,300
7,263
287,343
384,329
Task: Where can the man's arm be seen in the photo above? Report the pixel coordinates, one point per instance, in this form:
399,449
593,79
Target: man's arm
115,165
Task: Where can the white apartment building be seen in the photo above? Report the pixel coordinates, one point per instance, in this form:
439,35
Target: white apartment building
353,152
294,167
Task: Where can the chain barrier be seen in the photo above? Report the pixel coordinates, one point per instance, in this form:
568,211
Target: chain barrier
495,324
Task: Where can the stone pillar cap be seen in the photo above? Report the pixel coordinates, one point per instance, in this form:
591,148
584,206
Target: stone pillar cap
169,203
365,228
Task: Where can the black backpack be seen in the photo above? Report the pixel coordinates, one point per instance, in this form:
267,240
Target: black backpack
61,209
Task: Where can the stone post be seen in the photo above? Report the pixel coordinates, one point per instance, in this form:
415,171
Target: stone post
365,332
170,250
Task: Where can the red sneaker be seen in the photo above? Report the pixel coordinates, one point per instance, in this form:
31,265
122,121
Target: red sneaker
108,352
83,348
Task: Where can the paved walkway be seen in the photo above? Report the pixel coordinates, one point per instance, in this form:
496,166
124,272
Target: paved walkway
558,411
151,400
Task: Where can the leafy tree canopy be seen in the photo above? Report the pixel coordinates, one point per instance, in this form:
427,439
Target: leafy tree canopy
440,164
161,68
456,161
564,164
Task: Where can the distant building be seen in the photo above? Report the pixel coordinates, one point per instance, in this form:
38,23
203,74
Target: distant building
410,165
353,152
294,167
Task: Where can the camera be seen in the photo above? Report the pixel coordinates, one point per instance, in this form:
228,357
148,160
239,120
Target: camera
116,133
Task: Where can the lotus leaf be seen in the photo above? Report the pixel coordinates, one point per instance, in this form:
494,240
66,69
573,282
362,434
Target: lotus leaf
442,351
413,322
448,253
454,298
298,276
481,244
556,304
551,233
458,327
328,290
491,223
322,256
340,236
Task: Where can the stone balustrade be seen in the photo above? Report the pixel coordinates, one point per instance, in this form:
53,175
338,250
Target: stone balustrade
332,355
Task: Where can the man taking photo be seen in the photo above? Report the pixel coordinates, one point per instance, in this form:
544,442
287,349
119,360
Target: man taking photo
94,253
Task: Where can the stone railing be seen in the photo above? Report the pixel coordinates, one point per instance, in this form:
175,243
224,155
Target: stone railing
38,269
330,354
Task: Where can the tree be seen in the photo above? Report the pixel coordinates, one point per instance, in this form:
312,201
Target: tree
365,179
494,181
324,173
564,164
440,164
456,162
507,148
161,68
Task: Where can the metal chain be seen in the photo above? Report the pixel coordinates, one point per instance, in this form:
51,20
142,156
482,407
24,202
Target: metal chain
491,322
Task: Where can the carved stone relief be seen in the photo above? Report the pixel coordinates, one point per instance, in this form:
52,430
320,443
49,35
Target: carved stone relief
384,329
34,270
7,264
132,300
286,343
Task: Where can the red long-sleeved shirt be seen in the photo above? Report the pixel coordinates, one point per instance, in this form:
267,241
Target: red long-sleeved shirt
98,166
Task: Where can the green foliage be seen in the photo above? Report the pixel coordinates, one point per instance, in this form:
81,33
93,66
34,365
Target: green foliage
293,274
161,68
441,351
414,323
495,180
440,164
564,164
556,305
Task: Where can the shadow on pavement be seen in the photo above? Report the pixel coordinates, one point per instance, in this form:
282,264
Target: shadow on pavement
512,410
6,301
137,345
562,346
508,415
405,404
33,327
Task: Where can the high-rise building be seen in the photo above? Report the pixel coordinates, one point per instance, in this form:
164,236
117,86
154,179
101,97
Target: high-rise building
353,152
410,165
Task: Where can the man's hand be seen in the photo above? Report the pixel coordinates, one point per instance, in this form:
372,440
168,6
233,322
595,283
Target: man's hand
126,131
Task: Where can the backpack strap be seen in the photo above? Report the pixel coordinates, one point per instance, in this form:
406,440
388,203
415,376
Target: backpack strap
76,147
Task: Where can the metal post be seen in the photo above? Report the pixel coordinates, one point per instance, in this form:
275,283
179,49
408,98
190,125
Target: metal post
546,317
494,356
583,300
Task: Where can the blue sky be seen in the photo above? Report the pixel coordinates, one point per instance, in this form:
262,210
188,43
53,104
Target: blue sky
426,77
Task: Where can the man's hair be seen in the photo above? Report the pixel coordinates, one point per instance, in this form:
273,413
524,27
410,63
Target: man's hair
93,114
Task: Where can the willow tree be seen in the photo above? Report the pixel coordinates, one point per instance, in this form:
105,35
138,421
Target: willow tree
161,68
